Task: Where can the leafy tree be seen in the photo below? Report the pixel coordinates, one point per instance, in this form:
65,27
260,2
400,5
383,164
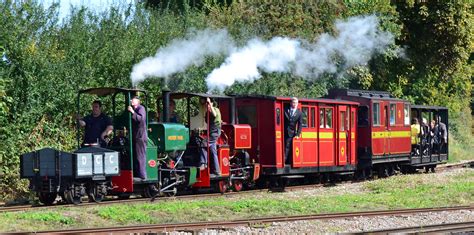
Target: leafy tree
46,61
438,37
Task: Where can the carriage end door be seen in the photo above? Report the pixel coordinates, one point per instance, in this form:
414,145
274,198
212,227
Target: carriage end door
342,135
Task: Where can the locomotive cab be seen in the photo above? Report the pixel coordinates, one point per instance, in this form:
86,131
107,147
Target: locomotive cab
234,164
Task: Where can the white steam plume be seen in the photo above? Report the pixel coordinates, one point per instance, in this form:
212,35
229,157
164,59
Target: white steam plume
182,53
356,40
272,56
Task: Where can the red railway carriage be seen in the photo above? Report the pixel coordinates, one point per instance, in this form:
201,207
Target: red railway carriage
383,127
327,142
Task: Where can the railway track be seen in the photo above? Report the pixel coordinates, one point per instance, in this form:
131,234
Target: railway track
157,200
435,228
5,208
267,220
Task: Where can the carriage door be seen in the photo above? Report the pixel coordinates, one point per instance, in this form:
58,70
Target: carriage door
342,134
352,136
297,151
279,135
386,140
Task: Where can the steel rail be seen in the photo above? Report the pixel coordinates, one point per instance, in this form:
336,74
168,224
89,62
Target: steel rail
6,208
157,200
250,222
432,228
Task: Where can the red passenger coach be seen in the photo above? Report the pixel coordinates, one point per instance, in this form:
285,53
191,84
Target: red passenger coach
328,138
383,127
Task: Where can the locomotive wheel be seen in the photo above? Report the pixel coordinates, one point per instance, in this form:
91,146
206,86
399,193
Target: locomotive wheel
238,185
151,191
222,186
47,198
172,192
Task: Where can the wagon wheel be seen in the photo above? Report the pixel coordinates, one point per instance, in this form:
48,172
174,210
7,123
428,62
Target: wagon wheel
66,197
238,185
47,198
95,195
221,186
71,198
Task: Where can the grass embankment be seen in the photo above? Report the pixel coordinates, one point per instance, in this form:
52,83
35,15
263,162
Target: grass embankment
406,191
461,150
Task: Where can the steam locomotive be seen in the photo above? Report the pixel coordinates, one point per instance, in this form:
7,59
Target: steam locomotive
350,132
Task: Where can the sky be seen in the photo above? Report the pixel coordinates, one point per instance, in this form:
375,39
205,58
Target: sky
98,5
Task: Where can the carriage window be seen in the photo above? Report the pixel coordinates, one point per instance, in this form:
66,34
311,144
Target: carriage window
247,115
407,115
342,124
313,114
305,116
321,118
393,113
278,116
376,114
328,118
363,116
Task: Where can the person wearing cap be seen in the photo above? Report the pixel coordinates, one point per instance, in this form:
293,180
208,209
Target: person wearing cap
293,120
139,137
97,126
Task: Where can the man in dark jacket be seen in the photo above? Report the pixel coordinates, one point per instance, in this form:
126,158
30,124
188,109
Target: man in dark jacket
97,126
139,137
293,120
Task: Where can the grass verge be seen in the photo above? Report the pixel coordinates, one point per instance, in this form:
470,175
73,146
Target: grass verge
461,150
404,191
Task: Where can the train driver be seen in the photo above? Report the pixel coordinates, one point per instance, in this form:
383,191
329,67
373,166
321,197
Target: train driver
139,137
97,125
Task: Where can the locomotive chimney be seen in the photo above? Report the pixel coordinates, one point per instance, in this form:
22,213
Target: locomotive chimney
165,93
232,111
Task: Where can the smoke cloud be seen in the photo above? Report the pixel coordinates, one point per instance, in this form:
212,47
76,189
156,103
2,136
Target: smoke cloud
243,65
355,41
182,53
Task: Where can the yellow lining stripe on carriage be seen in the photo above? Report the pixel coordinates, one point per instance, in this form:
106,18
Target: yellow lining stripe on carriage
309,135
314,135
342,135
391,134
326,135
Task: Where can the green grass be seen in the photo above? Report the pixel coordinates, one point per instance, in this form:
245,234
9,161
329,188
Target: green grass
405,191
49,217
461,150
